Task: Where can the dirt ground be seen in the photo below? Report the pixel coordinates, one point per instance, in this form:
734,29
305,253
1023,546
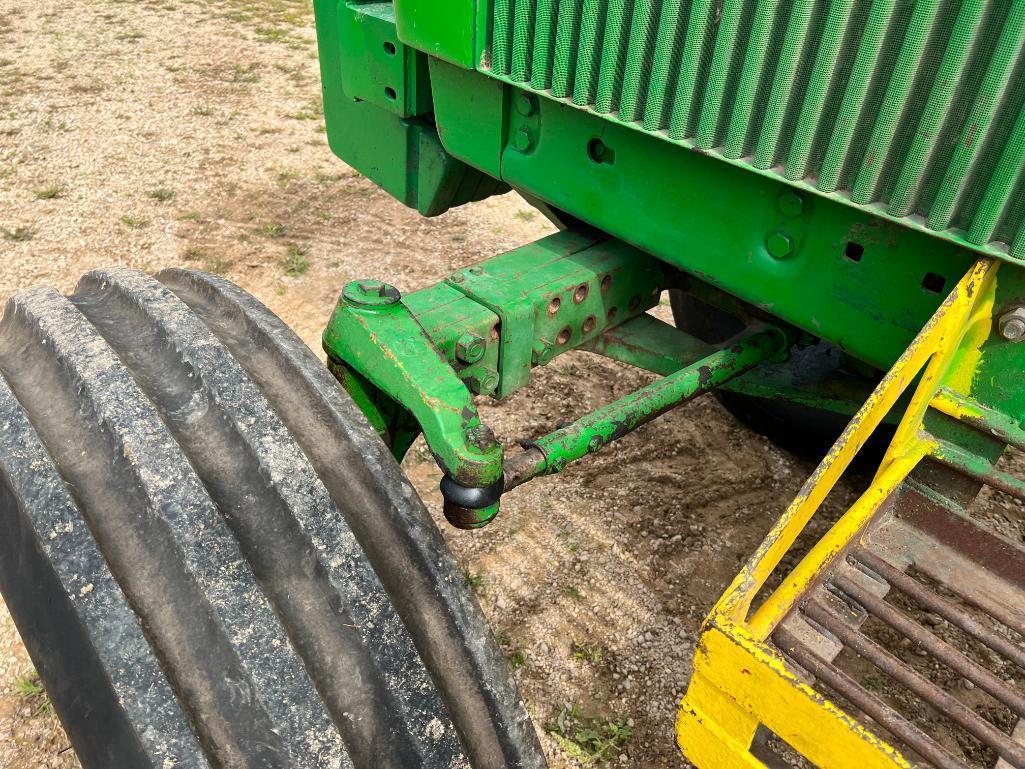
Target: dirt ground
189,132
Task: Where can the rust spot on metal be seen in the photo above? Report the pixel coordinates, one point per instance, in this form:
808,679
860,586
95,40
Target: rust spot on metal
973,131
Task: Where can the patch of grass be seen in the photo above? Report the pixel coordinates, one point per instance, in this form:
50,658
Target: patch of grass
589,739
273,229
162,194
295,262
31,688
311,111
18,234
272,34
872,682
218,265
574,593
193,254
241,74
49,192
325,179
516,656
93,85
29,685
587,652
203,110
476,580
135,222
527,216
285,178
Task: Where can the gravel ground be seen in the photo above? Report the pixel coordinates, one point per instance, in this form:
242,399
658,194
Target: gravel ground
173,132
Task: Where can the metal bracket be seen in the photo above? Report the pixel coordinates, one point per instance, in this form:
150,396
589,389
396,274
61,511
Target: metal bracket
415,363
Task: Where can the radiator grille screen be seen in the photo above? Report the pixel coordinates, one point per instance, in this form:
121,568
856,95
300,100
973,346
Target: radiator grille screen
914,108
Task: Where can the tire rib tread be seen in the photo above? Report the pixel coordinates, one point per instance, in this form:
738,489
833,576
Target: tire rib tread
401,541
307,560
89,638
164,540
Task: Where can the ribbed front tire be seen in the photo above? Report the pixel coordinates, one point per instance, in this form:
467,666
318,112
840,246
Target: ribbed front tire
211,557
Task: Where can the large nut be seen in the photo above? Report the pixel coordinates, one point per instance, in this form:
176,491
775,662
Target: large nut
483,382
470,348
1012,325
371,294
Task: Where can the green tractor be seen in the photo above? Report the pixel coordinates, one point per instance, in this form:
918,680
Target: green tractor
215,560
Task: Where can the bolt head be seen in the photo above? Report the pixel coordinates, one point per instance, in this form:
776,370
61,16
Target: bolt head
1012,325
483,382
525,104
779,245
470,348
481,437
371,294
791,204
523,140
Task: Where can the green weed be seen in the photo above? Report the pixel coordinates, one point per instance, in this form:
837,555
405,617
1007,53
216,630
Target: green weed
49,192
295,262
589,739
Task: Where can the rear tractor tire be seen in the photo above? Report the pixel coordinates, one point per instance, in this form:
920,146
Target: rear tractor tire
211,557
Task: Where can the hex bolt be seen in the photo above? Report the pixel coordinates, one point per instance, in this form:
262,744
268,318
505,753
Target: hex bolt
523,140
480,437
371,294
483,382
779,245
525,104
1012,325
791,204
470,348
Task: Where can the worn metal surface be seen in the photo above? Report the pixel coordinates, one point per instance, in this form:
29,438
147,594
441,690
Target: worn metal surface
900,523
414,363
553,452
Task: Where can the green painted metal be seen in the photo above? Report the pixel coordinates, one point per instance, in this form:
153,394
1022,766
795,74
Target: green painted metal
653,345
414,363
377,67
846,275
835,165
442,28
907,109
557,294
382,343
553,452
386,137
